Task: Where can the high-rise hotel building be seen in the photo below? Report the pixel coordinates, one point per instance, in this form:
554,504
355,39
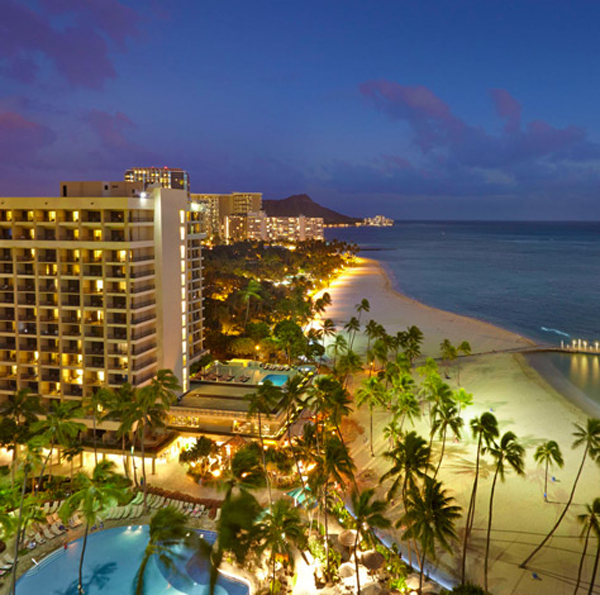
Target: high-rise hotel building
100,286
168,177
217,207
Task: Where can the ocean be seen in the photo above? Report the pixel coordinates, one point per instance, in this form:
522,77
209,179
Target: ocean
538,279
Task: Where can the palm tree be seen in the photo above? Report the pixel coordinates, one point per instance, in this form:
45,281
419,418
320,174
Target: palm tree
58,428
322,303
22,408
380,351
509,454
262,402
95,404
334,465
372,331
547,454
465,349
120,404
590,521
484,429
352,327
31,458
327,329
462,398
281,529
445,417
429,517
448,352
350,363
364,306
292,393
589,437
414,339
371,393
251,291
367,513
152,403
339,345
168,529
410,460
94,496
246,470
406,405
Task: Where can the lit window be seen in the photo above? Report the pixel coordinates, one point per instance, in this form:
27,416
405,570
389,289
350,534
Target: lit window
181,217
182,232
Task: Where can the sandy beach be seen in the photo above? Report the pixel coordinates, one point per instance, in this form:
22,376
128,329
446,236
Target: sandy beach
524,403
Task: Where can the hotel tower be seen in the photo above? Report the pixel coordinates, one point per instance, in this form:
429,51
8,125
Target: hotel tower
100,286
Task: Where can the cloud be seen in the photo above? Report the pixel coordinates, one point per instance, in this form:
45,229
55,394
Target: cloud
430,118
452,157
73,35
507,107
21,139
115,147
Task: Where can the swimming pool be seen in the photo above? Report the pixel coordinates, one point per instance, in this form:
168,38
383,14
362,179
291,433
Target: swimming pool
276,379
112,558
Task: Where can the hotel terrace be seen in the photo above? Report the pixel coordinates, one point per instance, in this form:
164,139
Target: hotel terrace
216,403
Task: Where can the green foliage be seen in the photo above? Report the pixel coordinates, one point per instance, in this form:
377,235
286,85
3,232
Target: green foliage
250,287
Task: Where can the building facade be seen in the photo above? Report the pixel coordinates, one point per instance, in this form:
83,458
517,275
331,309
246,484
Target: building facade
171,178
257,226
215,209
97,290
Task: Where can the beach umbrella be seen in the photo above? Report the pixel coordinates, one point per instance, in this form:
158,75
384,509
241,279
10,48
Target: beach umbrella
373,560
346,570
347,538
412,581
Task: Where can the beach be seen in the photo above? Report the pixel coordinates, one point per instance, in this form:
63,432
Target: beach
501,381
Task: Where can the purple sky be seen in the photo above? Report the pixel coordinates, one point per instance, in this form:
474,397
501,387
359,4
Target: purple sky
433,109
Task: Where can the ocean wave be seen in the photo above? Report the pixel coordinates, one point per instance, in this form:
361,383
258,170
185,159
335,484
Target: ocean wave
555,331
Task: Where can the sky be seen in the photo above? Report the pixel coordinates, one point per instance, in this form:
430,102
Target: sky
477,109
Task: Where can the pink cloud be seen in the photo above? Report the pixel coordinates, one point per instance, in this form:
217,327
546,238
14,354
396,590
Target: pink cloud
79,50
430,117
507,107
21,139
111,129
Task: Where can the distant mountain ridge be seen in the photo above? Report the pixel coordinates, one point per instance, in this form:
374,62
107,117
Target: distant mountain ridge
302,204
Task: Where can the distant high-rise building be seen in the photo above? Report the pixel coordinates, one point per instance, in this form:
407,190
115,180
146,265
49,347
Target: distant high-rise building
215,208
168,177
258,226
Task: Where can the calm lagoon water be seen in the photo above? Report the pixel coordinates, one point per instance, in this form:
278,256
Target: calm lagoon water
111,561
539,279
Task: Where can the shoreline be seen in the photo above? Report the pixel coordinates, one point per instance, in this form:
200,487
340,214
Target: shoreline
391,278
523,401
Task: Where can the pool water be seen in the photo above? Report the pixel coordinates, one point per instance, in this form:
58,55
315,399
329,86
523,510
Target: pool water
112,558
276,379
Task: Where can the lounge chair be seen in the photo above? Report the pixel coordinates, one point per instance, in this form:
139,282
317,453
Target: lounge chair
53,507
199,511
46,507
48,534
217,515
39,538
75,521
138,498
57,529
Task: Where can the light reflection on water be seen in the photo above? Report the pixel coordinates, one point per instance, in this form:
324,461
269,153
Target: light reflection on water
581,370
